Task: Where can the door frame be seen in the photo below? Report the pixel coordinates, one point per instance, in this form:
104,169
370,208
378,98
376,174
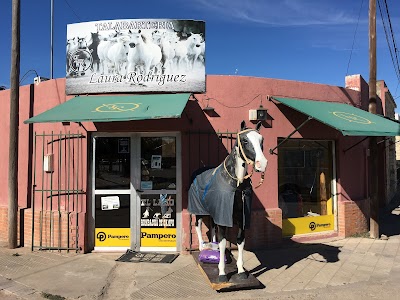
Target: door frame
135,184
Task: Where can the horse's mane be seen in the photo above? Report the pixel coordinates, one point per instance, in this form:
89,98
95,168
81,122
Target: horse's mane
199,171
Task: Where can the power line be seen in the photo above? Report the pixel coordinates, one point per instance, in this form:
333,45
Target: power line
391,31
391,42
354,38
76,15
23,77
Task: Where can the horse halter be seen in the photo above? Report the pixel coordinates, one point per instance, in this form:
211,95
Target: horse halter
248,161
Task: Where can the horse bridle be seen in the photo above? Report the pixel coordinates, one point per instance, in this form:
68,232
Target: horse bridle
248,161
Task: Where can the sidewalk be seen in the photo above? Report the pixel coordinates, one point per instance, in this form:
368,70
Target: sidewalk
308,269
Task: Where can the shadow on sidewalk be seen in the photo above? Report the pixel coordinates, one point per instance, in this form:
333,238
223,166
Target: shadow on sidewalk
389,216
389,223
292,252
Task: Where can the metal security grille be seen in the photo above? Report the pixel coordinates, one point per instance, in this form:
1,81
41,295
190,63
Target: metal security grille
57,190
206,149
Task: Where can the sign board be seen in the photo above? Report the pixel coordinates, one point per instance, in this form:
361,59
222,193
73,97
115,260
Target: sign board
135,55
110,202
305,225
156,161
158,220
123,146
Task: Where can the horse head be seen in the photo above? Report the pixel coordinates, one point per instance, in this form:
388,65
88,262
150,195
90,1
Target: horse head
249,151
82,43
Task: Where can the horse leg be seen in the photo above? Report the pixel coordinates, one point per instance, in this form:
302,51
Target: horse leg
199,222
222,246
240,242
213,231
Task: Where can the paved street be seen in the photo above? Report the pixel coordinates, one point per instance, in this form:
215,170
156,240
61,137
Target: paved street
351,268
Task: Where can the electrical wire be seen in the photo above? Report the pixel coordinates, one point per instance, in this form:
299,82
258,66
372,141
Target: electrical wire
354,38
76,15
392,34
27,72
391,42
227,106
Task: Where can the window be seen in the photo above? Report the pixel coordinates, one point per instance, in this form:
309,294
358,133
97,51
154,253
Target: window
158,163
112,165
304,177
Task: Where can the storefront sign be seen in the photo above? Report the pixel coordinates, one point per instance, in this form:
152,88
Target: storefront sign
134,55
112,237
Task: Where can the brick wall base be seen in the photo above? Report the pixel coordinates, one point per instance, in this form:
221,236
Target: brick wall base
51,229
353,217
265,231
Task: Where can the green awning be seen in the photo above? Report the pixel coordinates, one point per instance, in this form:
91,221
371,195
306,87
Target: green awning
345,118
115,108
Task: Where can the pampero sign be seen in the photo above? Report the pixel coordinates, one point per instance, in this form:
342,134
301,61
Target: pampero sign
135,56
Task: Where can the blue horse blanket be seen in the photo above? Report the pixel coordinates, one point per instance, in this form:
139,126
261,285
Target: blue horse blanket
210,194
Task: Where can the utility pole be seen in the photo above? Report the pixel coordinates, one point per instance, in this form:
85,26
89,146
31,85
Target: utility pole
373,147
14,123
51,36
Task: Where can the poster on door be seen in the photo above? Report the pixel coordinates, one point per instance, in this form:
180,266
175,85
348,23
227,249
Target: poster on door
158,211
110,202
158,220
123,146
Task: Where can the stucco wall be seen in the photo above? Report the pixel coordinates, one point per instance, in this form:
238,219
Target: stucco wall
389,106
231,97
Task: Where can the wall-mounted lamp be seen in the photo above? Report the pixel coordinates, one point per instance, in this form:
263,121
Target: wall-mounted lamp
259,114
208,108
39,79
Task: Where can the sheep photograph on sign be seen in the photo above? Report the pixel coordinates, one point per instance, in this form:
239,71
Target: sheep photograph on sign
135,56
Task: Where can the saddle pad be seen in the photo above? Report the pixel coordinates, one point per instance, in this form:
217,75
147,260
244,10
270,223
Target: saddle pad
211,194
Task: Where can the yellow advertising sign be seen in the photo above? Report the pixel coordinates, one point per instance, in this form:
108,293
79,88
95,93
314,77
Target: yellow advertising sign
304,225
112,237
158,237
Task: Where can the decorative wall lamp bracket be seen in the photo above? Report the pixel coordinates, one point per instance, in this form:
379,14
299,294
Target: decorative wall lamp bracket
209,110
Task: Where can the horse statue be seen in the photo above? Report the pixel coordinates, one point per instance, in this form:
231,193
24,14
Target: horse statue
224,193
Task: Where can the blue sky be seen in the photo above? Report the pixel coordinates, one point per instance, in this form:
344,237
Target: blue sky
302,40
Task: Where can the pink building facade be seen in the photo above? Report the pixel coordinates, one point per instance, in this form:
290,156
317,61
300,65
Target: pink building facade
72,193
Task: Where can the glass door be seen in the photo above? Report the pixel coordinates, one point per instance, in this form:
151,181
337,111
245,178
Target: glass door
158,192
136,177
112,192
